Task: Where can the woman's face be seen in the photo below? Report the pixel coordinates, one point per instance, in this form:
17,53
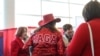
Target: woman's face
24,34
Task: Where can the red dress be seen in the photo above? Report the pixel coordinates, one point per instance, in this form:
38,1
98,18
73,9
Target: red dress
16,48
46,43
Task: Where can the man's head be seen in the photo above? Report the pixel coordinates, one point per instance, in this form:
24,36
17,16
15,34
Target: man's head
68,30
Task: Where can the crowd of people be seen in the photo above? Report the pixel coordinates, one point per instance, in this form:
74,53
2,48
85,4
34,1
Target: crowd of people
47,40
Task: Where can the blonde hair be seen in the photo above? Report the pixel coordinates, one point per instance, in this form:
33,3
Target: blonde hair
20,31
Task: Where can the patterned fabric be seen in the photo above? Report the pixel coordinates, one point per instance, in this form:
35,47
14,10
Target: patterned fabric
46,43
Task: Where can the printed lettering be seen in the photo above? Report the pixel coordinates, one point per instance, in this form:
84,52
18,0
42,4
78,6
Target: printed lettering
40,38
46,38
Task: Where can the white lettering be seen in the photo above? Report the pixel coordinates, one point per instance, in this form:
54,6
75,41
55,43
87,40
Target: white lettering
47,38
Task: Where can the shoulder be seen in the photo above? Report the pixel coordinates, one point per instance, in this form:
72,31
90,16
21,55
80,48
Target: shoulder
82,27
15,41
81,32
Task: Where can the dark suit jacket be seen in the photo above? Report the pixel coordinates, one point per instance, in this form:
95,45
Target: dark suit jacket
17,48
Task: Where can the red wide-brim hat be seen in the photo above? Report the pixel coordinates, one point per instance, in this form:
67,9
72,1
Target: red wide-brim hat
47,19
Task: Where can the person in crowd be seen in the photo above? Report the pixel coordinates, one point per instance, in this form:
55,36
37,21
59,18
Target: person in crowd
80,44
47,40
68,33
18,43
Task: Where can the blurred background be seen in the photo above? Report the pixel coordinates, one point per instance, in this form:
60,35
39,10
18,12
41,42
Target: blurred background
16,13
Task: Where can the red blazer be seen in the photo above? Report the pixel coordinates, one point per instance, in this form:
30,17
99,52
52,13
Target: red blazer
46,43
16,48
80,44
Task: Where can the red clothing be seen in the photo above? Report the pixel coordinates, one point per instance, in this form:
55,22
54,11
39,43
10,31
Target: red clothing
80,44
16,48
46,43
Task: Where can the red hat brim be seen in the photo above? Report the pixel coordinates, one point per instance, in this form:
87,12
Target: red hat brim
55,20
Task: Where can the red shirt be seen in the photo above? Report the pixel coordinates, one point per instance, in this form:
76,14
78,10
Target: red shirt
17,48
80,44
46,43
